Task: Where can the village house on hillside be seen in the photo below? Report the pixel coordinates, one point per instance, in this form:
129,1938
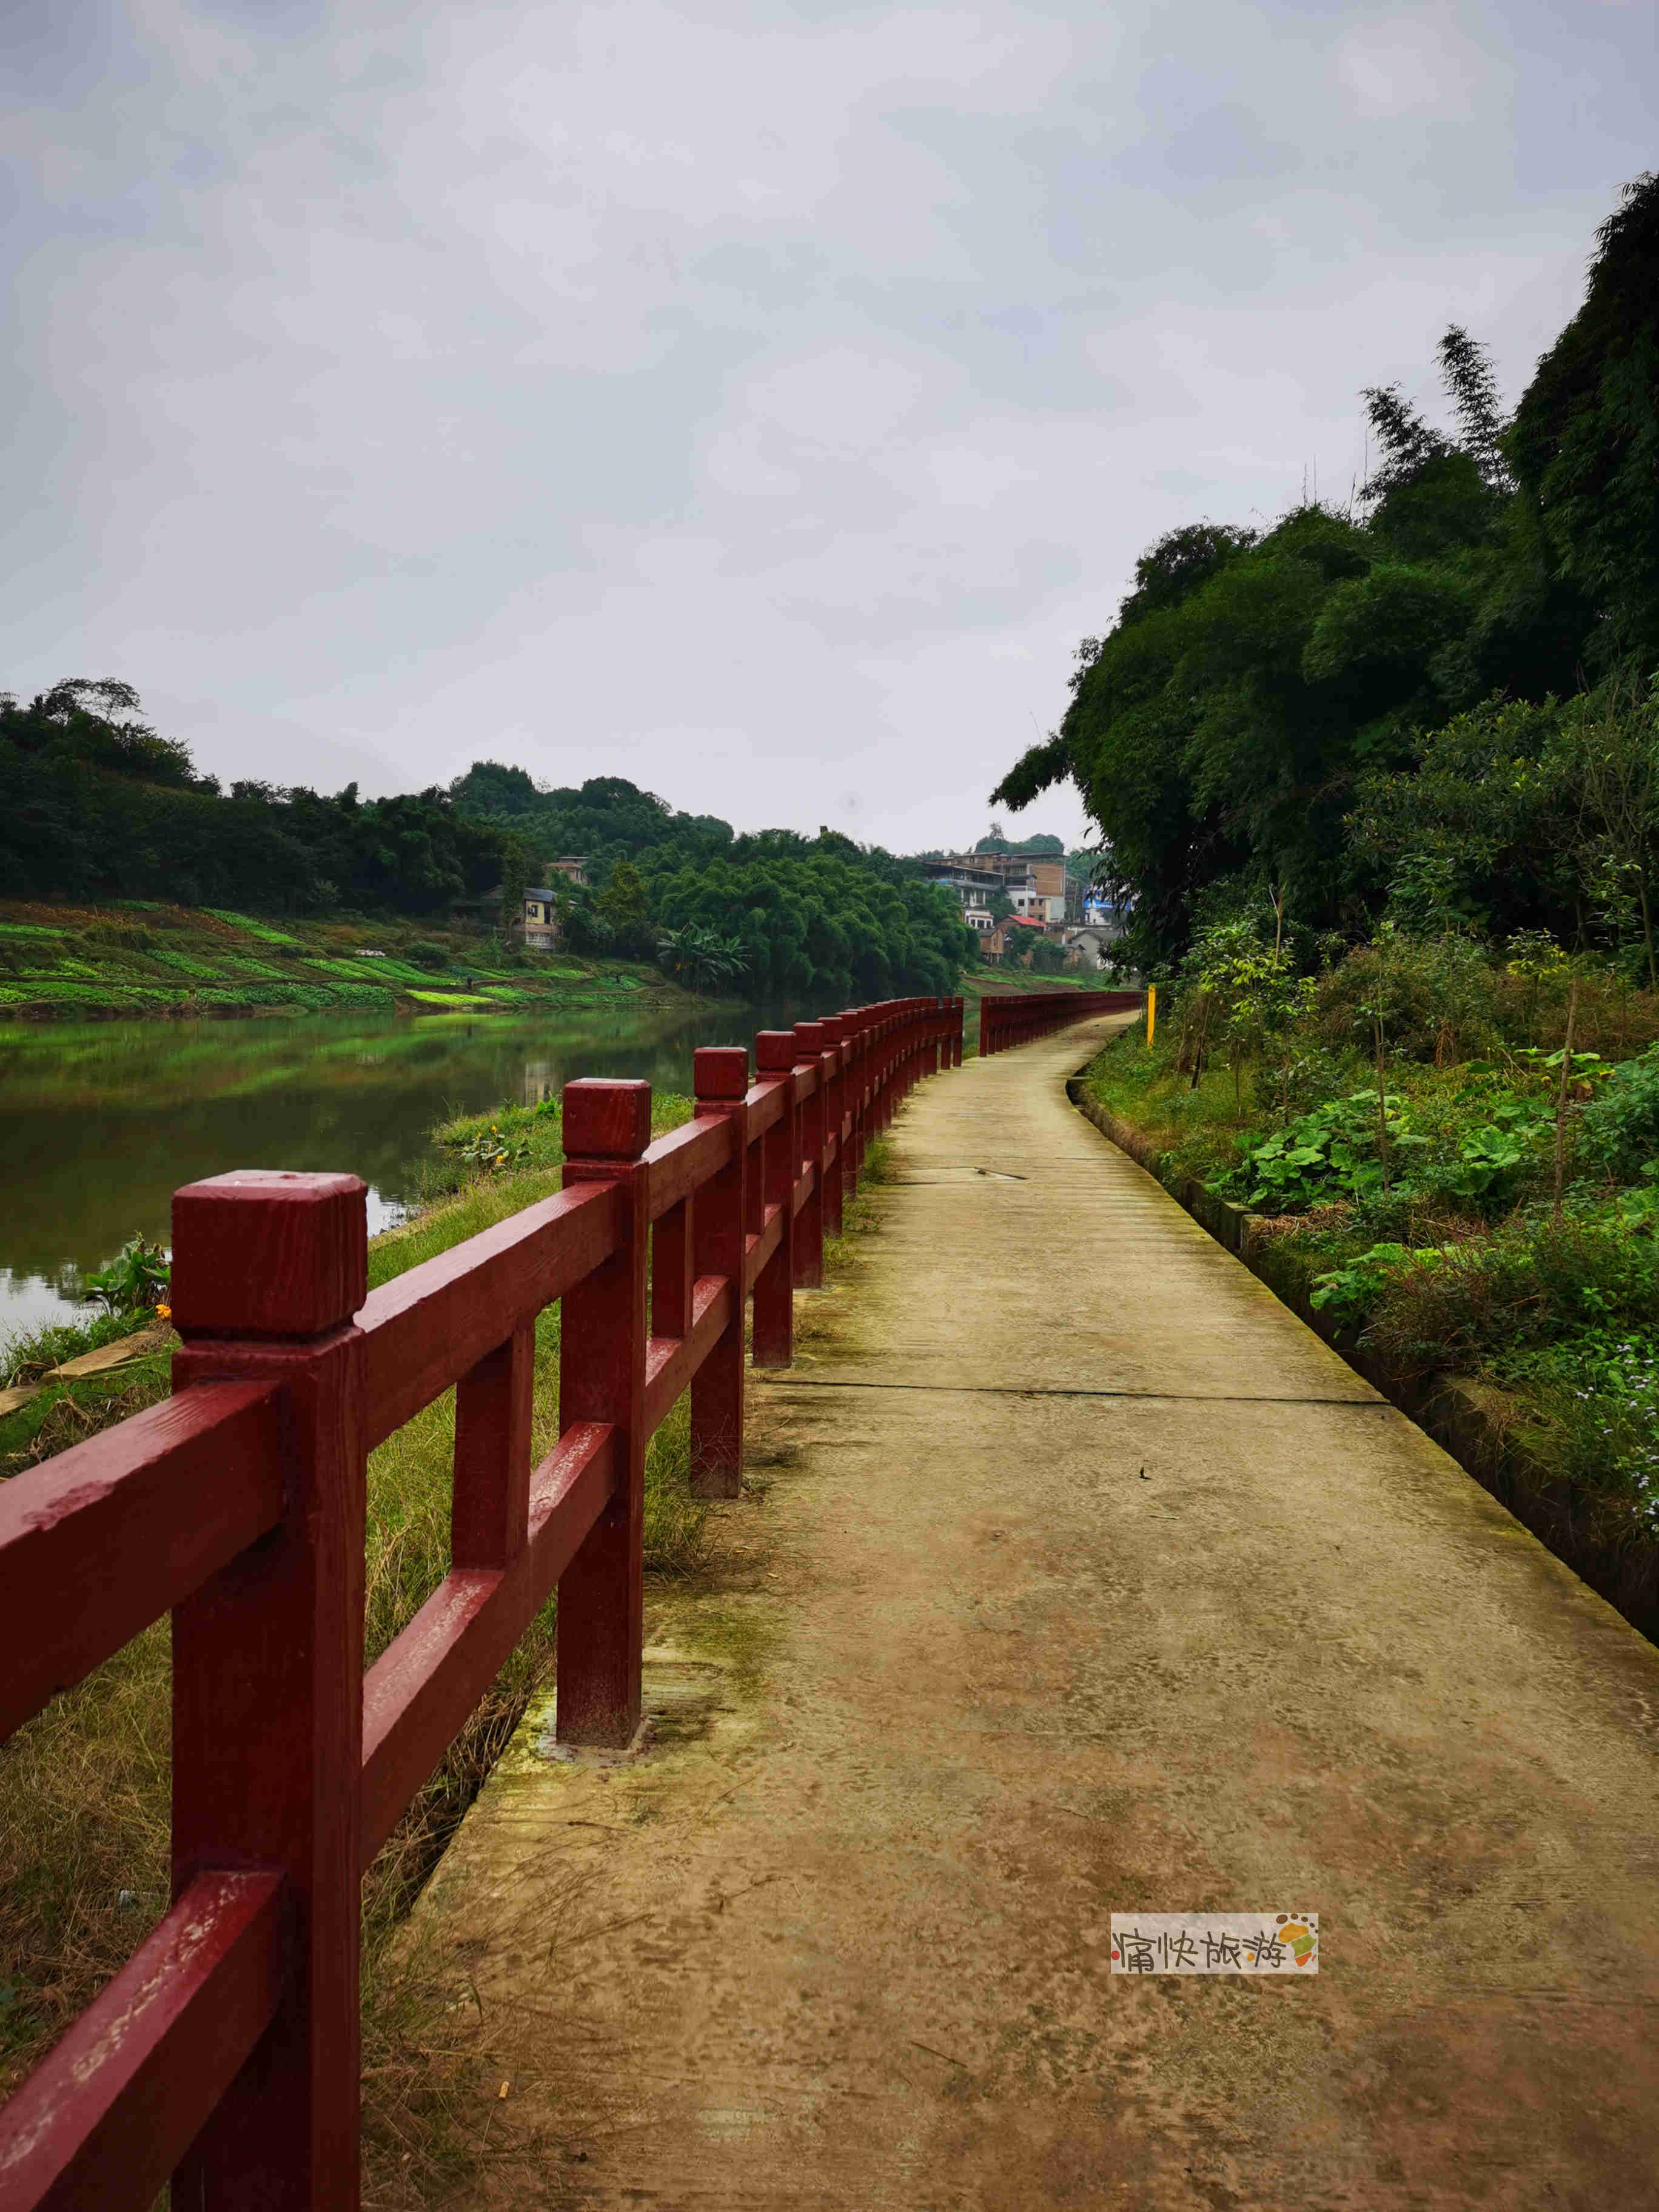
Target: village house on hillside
1037,884
1041,892
541,917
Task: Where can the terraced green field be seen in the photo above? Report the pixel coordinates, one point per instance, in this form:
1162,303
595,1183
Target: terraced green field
137,957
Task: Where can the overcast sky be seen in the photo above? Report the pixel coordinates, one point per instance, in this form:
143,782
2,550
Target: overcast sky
755,401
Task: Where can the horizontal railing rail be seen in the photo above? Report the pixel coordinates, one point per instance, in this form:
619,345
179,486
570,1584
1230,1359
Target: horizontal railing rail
224,2054
1008,1018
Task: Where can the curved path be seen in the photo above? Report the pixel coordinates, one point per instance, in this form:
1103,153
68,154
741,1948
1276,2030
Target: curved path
1089,1579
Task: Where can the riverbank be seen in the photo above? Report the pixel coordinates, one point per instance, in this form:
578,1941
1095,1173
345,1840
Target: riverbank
83,1849
137,959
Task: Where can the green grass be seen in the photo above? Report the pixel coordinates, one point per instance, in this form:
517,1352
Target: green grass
262,930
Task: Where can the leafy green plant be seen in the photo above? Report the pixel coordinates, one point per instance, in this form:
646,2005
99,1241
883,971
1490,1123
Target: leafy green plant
137,1279
699,957
1597,1394
1488,1154
489,1149
1348,1293
1237,992
1639,1208
1331,1152
1621,1127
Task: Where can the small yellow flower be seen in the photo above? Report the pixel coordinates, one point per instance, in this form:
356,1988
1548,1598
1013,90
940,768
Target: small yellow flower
164,1313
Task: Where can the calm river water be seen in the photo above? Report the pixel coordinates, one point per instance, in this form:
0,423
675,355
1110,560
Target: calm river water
100,1122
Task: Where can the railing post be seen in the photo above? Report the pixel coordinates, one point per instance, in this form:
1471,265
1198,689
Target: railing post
602,1350
774,1316
961,1006
489,1508
719,1214
811,1039
268,1669
852,1080
834,1114
867,1079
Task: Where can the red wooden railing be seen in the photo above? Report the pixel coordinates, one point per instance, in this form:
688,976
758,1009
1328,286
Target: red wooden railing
225,2053
1011,1018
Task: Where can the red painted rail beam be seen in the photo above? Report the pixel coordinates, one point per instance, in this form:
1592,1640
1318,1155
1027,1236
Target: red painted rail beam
225,2053
1008,1018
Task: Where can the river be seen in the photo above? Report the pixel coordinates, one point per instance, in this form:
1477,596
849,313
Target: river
101,1121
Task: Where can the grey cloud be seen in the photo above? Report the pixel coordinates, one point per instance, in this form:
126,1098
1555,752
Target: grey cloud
757,401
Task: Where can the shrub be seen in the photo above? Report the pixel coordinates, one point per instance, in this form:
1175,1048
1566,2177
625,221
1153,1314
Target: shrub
1621,1128
1331,1152
1597,1395
1438,1000
136,1278
1530,1283
1349,1292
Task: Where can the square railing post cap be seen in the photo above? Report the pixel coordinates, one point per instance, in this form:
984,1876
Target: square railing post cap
605,1121
720,1070
268,1252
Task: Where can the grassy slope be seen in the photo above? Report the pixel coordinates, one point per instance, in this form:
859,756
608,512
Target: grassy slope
1563,1317
138,958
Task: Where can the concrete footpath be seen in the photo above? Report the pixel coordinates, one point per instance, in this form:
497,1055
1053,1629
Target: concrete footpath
1088,1580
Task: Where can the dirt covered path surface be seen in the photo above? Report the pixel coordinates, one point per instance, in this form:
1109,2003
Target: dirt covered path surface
1087,1579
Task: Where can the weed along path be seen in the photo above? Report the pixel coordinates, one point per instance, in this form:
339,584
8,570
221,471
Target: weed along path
1087,1580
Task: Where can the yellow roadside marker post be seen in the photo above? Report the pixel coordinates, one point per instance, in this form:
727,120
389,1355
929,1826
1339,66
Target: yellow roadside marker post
1152,1009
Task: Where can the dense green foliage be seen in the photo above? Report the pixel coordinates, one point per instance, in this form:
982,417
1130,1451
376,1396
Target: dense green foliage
1388,701
93,804
824,923
606,820
785,913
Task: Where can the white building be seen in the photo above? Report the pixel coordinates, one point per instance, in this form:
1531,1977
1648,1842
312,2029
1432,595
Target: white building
541,913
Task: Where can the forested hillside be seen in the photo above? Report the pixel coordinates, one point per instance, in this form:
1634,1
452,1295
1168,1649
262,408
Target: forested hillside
785,912
94,804
1437,699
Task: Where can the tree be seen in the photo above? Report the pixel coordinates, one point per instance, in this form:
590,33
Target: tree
1220,731
1585,441
1613,761
624,907
700,959
95,803
1467,370
516,865
1236,993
